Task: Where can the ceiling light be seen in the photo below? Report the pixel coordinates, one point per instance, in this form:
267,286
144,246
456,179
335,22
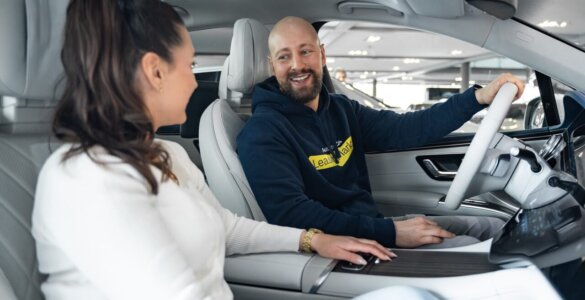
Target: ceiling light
405,77
552,24
363,76
472,82
396,68
374,73
457,78
330,60
373,38
411,61
456,52
330,69
358,52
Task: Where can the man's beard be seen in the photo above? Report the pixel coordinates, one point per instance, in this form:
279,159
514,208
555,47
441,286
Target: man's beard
305,94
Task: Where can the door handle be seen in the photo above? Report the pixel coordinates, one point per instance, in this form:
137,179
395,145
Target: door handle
438,174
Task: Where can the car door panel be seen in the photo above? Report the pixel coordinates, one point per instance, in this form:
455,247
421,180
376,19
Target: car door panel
402,185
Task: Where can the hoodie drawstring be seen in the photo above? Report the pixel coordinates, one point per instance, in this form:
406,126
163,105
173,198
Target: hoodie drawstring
329,136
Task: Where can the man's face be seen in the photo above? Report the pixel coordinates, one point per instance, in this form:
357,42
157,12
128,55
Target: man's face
297,62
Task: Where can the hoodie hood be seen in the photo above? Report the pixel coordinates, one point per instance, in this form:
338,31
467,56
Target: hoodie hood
268,94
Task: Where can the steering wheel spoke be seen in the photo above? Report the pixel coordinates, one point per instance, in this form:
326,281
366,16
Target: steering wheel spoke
473,159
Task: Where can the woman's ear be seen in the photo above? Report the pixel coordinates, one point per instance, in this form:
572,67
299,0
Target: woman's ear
152,67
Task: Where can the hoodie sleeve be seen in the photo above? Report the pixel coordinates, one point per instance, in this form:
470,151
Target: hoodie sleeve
275,178
383,130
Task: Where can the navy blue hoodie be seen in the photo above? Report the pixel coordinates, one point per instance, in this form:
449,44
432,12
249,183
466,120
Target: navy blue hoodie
307,169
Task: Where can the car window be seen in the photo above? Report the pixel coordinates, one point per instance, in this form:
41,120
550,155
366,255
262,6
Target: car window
379,60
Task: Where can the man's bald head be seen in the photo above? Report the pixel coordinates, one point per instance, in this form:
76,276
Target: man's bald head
290,26
297,59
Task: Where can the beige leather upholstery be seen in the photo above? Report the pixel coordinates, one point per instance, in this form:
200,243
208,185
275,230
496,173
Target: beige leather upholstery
6,292
220,124
31,35
21,158
30,74
248,60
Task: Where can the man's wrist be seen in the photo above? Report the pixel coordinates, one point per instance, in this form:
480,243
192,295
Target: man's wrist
477,93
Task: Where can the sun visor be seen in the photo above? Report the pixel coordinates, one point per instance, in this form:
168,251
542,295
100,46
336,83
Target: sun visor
31,34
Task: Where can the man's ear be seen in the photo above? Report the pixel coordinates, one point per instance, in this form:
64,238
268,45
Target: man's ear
152,66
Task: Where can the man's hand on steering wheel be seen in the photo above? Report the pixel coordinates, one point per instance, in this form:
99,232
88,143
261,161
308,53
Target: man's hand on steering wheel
487,94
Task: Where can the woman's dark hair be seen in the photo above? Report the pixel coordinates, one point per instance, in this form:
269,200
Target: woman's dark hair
104,43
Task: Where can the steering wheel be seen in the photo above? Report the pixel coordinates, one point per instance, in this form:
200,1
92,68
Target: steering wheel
480,144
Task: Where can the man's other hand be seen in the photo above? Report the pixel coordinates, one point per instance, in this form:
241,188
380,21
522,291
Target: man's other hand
487,94
419,231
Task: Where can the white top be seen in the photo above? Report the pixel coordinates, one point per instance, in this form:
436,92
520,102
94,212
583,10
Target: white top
101,235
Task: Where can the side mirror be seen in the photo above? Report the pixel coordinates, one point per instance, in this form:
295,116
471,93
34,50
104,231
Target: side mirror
534,116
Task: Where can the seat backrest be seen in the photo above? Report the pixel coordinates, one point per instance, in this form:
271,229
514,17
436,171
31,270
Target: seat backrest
246,65
6,291
30,72
21,158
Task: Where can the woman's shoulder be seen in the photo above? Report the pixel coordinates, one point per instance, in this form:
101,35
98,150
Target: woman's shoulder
175,150
64,167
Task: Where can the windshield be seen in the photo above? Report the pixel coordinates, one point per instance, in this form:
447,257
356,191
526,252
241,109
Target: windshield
562,18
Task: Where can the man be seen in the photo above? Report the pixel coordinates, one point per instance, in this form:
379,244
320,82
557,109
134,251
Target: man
340,74
303,150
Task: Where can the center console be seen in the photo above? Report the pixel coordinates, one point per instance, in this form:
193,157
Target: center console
455,273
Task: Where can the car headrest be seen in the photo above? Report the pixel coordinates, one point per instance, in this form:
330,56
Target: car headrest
247,64
31,33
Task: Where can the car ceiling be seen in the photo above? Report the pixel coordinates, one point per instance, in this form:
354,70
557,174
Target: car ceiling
210,23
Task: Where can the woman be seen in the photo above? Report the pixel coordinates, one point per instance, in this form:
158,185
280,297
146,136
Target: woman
118,214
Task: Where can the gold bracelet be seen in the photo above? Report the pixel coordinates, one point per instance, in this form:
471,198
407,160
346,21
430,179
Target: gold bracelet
306,244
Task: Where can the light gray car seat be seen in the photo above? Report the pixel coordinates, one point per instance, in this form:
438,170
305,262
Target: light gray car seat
30,69
220,124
